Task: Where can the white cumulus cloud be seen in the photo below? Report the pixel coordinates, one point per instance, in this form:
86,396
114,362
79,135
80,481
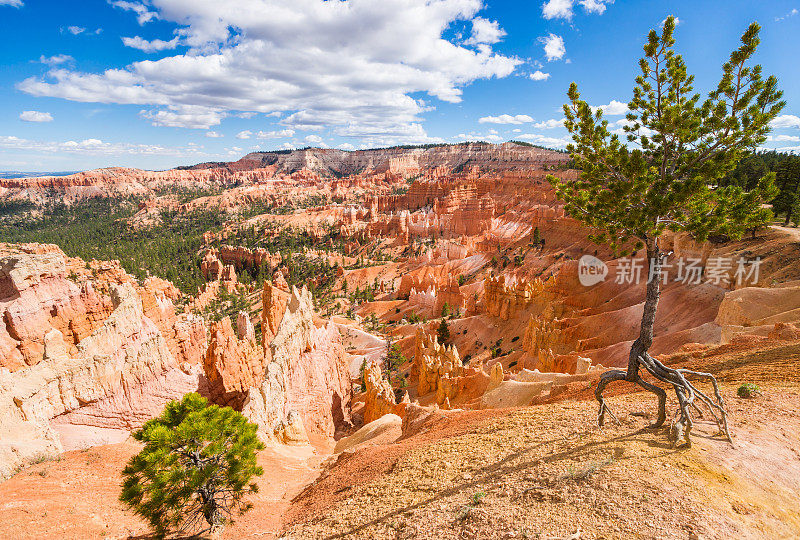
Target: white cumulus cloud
244,134
94,147
35,116
314,139
12,3
563,9
214,134
485,31
622,123
549,124
277,134
557,9
614,108
56,60
539,76
190,116
154,45
143,14
77,30
554,48
506,119
544,140
358,80
595,6
491,136
784,138
785,121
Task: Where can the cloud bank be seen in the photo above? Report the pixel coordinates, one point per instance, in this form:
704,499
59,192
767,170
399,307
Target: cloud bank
357,66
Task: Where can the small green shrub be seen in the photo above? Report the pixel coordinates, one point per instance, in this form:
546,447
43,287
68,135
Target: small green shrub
748,391
196,466
443,332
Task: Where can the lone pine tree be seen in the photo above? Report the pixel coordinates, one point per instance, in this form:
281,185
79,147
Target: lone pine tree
196,466
443,332
668,180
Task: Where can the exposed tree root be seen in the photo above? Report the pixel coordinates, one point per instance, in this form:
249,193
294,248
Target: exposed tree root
686,392
619,375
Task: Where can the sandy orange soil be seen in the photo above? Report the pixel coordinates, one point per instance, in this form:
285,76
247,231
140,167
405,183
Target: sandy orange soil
544,471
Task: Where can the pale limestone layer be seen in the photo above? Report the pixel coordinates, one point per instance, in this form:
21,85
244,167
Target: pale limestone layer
259,167
122,374
757,306
379,399
307,372
384,430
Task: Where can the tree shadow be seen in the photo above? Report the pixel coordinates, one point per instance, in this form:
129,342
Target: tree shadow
499,469
153,536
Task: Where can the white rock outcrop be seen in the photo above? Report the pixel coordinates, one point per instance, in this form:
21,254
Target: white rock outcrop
122,375
307,372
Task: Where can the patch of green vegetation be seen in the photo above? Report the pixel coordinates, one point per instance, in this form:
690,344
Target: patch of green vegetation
9,208
477,498
277,239
576,474
392,362
748,391
96,229
267,206
197,465
226,305
185,195
443,332
414,318
523,143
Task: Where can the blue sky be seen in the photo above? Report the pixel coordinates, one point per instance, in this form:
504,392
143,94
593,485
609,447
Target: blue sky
160,83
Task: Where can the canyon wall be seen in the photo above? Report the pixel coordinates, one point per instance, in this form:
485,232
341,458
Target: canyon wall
306,370
38,293
121,375
409,161
298,165
87,355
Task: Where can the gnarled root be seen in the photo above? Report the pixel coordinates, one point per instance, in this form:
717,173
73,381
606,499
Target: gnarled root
619,375
686,392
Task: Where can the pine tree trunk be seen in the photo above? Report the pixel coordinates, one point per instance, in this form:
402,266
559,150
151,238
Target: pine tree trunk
215,533
645,339
211,513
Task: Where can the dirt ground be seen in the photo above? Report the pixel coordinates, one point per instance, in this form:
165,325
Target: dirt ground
544,471
548,472
76,496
